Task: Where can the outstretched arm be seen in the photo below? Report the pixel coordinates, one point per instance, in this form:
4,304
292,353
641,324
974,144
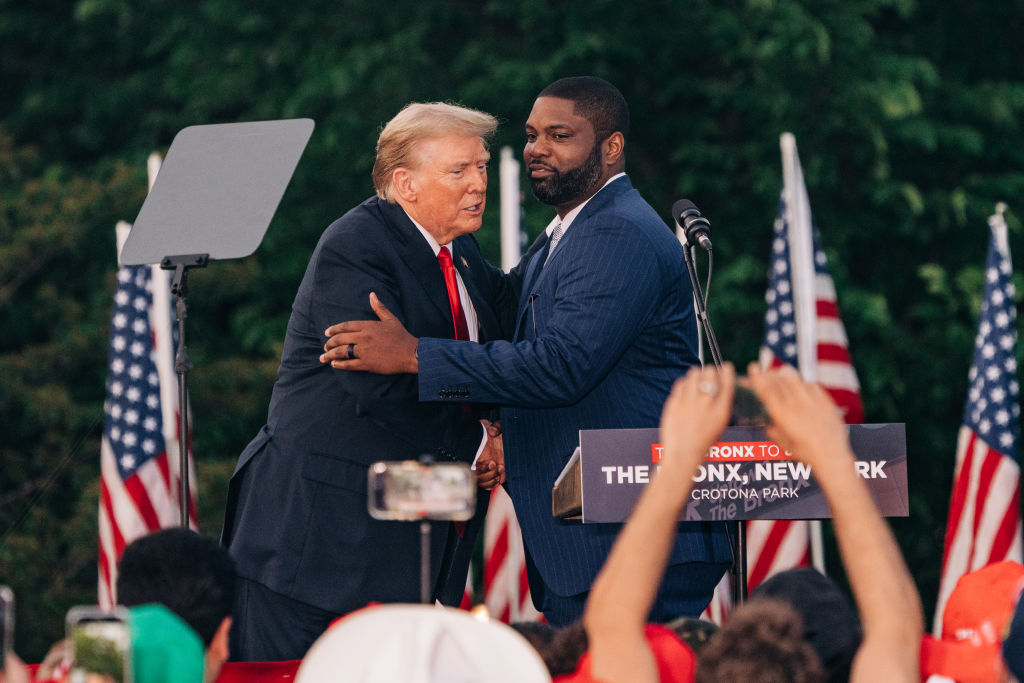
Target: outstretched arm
589,316
380,346
695,414
806,422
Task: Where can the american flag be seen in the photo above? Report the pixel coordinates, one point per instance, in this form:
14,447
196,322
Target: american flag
506,590
139,484
984,524
802,329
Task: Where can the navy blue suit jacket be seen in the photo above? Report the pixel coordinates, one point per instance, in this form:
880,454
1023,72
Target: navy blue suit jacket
297,518
602,331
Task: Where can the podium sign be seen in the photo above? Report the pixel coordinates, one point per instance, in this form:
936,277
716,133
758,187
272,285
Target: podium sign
745,476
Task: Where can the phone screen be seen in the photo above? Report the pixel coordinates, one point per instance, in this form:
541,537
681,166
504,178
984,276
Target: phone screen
408,490
100,645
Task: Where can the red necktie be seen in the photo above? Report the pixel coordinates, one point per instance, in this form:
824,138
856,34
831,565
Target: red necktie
444,258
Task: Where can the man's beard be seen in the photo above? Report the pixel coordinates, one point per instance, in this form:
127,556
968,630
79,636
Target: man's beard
562,187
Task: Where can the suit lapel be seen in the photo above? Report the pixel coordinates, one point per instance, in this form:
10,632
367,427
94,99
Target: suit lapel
538,269
537,262
419,258
537,252
598,203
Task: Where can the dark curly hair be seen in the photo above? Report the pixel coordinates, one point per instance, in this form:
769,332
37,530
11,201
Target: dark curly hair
560,648
762,642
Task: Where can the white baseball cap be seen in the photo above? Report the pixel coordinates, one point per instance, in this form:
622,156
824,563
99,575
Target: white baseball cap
420,644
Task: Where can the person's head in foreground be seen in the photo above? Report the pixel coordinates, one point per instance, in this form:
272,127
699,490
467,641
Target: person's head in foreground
761,642
830,622
420,644
192,575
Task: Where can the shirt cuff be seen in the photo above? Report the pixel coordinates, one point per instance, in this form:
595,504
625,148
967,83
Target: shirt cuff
479,450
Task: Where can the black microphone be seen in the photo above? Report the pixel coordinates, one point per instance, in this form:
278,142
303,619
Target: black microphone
695,227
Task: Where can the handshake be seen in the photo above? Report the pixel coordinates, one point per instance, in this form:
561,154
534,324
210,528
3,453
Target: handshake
490,462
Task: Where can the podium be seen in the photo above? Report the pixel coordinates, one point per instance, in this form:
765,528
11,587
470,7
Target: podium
745,476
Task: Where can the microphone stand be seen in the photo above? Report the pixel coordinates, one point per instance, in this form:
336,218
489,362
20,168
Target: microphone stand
739,540
698,300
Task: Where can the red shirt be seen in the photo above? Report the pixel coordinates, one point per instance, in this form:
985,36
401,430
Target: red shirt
675,660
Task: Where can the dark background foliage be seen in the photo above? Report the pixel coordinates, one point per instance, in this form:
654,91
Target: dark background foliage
907,115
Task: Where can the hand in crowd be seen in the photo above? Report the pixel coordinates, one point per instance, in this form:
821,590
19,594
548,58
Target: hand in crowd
694,416
56,662
696,412
490,466
806,422
804,419
382,346
14,670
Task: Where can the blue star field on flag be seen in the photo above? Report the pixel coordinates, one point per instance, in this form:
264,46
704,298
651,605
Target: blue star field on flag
134,421
780,320
993,408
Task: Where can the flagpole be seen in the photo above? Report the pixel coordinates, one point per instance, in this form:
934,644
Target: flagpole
511,209
983,523
801,262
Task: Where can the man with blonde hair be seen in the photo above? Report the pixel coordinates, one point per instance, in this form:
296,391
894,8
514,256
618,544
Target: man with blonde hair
297,526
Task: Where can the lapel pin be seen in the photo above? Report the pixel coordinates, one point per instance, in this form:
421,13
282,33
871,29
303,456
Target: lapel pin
464,264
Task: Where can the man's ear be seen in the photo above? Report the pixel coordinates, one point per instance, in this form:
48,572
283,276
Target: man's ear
613,147
405,184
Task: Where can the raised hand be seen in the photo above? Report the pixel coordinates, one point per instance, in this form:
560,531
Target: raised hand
695,414
804,419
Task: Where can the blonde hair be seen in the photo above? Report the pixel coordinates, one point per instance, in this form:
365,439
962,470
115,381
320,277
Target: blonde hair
417,122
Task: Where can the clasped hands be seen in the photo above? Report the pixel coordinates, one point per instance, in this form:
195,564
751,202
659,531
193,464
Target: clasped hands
490,466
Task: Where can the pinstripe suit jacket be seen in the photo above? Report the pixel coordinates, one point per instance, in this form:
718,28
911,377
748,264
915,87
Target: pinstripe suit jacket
603,330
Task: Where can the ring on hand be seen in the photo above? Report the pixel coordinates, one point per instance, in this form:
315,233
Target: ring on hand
351,351
709,388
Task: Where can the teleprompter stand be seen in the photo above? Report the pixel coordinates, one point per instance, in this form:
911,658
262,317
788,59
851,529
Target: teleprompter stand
182,364
216,193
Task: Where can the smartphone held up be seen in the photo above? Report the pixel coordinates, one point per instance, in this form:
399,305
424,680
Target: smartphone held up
100,645
408,490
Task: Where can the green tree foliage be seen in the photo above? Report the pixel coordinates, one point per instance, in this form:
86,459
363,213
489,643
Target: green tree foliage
908,132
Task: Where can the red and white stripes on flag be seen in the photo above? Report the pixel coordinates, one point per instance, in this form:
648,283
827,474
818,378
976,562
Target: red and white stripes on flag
506,590
139,485
984,524
802,329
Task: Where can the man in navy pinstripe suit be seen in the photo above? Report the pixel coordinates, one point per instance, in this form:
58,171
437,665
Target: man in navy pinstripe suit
605,324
